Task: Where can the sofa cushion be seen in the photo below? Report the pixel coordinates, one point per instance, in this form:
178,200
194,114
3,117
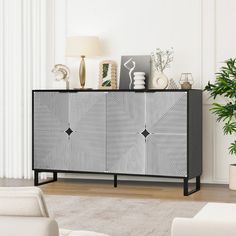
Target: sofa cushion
28,226
203,227
226,211
22,201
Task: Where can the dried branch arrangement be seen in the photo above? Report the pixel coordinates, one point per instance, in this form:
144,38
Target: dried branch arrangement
162,59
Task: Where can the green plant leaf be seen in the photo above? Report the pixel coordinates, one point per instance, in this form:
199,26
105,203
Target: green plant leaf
229,127
225,86
232,148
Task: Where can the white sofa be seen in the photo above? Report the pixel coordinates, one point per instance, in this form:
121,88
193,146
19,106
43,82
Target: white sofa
23,212
218,219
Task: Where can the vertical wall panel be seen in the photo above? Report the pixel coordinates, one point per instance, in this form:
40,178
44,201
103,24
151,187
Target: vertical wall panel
208,144
225,38
2,142
8,78
27,84
225,32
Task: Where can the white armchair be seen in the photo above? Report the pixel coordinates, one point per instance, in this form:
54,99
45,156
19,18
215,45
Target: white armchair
213,219
23,212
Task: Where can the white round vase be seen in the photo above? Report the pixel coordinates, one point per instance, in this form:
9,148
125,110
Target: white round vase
139,80
232,177
160,81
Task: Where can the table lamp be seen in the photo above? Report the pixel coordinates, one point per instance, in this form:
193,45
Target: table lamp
82,46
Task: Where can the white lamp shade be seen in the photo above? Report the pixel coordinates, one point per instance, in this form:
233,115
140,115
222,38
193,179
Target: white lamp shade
88,46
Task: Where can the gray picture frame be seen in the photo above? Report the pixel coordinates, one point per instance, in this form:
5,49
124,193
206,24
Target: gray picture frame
131,64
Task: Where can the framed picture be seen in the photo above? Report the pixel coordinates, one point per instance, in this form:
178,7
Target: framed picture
107,75
130,65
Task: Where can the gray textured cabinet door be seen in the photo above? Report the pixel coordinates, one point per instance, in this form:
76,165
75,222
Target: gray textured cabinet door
70,131
166,121
51,119
125,123
87,118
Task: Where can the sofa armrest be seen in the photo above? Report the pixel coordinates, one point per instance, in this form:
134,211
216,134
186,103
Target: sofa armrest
28,226
203,227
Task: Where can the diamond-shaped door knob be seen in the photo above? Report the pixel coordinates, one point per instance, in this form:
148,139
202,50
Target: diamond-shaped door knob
145,133
69,131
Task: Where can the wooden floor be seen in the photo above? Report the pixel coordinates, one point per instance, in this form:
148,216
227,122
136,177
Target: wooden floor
167,191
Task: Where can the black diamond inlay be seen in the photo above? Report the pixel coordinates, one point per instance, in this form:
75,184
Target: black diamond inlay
69,131
145,133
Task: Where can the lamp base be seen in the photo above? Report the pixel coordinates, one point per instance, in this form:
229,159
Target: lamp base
82,72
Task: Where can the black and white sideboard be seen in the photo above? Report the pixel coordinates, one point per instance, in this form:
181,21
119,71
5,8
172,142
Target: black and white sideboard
154,133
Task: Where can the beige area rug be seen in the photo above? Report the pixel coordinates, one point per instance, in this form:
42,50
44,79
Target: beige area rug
119,216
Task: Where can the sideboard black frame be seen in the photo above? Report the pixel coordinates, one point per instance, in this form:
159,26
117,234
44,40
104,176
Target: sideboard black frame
194,171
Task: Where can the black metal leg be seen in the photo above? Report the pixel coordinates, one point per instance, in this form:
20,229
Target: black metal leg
55,176
36,178
115,181
198,183
197,187
185,186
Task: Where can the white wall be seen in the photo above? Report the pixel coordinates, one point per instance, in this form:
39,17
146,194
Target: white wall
202,33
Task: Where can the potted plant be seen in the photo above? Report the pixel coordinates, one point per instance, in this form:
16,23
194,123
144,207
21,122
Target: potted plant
225,87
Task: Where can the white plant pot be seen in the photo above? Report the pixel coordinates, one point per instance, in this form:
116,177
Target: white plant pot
232,177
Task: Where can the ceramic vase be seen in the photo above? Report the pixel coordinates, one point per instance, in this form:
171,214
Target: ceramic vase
160,81
139,80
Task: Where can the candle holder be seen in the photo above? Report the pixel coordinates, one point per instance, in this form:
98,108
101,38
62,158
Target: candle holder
186,81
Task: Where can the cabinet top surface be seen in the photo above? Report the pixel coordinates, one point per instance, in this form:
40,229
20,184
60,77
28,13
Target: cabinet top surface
113,90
